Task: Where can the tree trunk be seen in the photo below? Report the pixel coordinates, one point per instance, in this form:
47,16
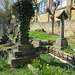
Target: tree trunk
53,26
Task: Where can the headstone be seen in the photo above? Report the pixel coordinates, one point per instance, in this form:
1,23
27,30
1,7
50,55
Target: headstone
24,51
1,27
61,42
4,36
16,32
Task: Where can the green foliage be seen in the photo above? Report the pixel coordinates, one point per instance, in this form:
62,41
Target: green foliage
25,11
3,63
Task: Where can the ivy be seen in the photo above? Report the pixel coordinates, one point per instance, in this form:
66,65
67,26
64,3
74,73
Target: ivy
24,9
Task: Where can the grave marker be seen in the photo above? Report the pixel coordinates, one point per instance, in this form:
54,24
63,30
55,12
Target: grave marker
61,42
2,32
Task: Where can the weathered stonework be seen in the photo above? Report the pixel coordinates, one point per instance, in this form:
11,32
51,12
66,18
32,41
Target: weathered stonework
21,55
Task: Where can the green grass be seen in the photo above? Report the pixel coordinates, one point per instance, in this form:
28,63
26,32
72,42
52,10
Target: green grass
47,65
6,70
69,50
70,42
42,35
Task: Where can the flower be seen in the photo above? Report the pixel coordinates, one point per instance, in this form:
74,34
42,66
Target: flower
21,65
56,68
34,60
52,67
39,60
40,66
38,57
47,67
47,64
55,73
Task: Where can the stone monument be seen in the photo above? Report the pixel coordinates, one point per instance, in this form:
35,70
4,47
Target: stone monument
2,33
16,32
61,42
24,50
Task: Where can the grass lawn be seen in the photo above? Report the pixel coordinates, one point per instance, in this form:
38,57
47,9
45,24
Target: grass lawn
42,35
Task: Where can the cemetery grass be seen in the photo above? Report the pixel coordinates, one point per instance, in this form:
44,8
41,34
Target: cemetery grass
42,35
45,36
47,65
44,65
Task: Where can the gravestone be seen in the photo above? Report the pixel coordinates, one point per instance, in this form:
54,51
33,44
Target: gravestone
2,32
2,27
61,42
24,50
16,32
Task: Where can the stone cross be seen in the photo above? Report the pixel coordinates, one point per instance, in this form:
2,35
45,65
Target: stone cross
61,42
62,16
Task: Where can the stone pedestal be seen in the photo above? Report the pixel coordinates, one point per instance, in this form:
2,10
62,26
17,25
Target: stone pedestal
60,43
21,55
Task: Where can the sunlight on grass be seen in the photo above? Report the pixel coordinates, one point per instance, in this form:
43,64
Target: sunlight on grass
42,35
48,65
69,50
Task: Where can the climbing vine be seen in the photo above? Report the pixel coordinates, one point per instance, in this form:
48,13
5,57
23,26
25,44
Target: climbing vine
24,9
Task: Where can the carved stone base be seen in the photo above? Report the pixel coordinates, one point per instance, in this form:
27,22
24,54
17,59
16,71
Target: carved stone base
21,55
60,43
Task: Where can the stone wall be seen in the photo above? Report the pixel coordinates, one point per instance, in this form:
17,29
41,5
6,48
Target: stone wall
69,27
